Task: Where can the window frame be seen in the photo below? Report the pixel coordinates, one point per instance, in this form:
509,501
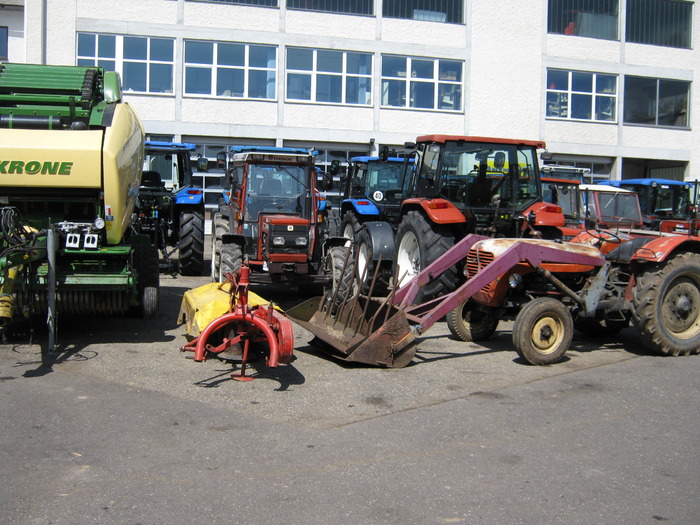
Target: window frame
570,94
416,81
215,68
116,61
315,74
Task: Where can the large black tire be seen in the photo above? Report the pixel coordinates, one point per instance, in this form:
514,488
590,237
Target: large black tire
542,331
468,322
666,302
231,260
191,245
350,225
418,244
148,285
341,283
219,227
367,266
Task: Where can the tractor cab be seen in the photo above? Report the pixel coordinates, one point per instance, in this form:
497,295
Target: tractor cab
660,199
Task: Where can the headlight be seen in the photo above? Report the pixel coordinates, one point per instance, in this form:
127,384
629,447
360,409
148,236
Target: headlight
301,241
515,280
278,240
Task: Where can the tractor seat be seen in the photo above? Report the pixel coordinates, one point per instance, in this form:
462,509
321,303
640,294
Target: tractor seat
151,179
626,250
271,187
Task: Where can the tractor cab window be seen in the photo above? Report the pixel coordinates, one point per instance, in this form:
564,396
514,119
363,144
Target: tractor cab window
618,208
384,181
277,189
488,175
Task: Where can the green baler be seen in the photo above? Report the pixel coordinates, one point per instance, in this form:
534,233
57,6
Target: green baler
71,155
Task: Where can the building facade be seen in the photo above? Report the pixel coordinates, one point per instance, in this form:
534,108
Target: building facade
607,84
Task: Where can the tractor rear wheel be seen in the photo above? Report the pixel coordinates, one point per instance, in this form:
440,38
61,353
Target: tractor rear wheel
191,244
542,331
418,244
468,322
231,260
666,302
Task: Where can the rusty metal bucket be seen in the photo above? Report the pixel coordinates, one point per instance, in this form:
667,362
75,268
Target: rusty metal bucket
360,329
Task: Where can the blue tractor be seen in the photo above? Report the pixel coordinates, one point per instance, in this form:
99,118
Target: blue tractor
660,199
372,193
171,207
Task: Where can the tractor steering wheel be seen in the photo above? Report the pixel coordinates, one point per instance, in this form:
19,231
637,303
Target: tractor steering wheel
604,236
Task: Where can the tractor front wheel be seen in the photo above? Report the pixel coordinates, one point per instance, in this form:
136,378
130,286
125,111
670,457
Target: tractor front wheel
667,306
342,274
231,260
542,331
468,322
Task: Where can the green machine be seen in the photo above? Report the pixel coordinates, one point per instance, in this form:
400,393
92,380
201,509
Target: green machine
71,155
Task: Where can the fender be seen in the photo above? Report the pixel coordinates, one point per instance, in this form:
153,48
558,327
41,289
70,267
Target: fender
658,250
546,214
364,207
440,211
381,235
189,195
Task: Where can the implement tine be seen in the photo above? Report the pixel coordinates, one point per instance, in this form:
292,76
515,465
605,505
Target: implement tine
337,288
390,300
361,279
371,288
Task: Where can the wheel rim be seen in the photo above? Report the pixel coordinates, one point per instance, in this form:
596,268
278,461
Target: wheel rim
408,259
547,334
680,309
349,231
362,261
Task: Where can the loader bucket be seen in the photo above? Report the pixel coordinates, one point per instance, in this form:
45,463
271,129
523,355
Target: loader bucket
361,330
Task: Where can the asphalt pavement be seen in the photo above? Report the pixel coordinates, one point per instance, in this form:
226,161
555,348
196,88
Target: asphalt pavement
123,428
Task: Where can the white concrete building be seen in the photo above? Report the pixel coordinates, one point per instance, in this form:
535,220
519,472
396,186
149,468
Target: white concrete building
608,84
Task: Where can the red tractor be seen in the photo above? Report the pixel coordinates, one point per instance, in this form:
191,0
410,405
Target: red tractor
273,216
460,185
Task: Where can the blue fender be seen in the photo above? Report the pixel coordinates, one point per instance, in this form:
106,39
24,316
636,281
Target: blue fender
189,195
363,207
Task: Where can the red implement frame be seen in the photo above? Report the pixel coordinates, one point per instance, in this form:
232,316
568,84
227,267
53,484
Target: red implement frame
244,325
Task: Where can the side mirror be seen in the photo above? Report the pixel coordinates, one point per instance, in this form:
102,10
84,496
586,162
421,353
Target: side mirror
383,153
335,167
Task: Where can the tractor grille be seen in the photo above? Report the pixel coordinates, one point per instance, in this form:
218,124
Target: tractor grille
477,260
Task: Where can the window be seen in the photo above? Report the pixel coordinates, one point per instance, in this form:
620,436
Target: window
337,77
449,11
589,18
433,84
3,43
599,170
580,95
145,63
659,22
349,7
223,69
656,101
